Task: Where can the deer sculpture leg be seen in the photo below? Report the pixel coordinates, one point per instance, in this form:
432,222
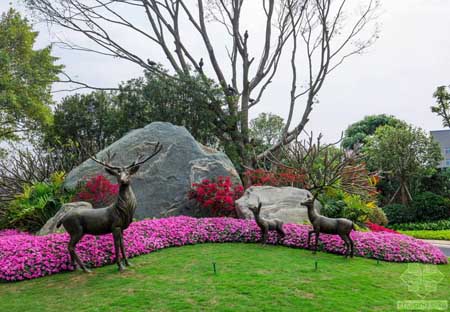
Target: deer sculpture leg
122,248
74,239
351,246
116,235
346,244
280,231
264,235
309,238
317,242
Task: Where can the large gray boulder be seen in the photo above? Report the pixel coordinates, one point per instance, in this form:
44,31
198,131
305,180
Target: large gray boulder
162,184
281,203
50,226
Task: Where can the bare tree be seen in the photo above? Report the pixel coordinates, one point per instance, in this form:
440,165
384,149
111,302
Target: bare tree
317,34
324,165
27,165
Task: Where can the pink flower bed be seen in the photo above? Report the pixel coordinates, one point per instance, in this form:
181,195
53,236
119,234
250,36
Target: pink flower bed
24,256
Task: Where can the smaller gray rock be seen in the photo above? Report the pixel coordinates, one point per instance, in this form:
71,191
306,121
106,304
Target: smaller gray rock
281,203
50,226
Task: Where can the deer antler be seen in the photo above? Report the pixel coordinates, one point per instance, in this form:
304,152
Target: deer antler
140,161
106,163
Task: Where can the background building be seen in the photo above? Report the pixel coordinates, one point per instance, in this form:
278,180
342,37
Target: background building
443,138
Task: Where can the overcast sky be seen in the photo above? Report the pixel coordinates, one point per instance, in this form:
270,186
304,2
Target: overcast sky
396,76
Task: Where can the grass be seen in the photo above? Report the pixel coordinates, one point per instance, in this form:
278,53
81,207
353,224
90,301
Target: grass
429,234
249,278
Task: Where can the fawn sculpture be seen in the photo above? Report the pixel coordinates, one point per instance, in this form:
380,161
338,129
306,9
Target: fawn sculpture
112,219
321,224
266,225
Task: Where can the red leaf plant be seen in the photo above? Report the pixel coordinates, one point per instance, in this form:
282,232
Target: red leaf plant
281,177
98,191
217,196
379,228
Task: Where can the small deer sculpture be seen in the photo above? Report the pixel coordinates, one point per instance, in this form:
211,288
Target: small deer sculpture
266,225
321,224
112,219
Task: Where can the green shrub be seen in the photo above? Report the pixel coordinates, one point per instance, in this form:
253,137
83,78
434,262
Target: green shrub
440,235
433,225
332,204
430,207
37,203
378,216
398,213
339,204
356,209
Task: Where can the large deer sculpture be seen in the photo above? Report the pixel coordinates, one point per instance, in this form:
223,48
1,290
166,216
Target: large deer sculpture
322,224
112,219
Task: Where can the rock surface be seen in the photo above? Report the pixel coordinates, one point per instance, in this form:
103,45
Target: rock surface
161,185
50,226
281,203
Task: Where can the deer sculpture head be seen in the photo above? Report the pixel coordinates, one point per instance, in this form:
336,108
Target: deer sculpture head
123,173
309,201
255,209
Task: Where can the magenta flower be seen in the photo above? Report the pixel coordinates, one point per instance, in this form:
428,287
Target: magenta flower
25,256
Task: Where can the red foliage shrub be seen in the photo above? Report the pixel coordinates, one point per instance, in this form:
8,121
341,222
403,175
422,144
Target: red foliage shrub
218,197
281,177
379,228
98,191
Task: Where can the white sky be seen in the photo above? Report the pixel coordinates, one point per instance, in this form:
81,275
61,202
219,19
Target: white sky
397,76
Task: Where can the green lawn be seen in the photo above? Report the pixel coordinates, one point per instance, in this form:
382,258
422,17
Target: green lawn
249,278
429,234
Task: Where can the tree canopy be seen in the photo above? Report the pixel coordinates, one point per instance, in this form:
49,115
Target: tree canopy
84,124
266,130
402,153
358,132
26,76
442,106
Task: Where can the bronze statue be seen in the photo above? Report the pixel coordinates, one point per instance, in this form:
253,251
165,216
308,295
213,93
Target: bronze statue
321,224
112,219
266,225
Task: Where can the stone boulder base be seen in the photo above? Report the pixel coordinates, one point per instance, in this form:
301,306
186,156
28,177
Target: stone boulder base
50,226
282,203
162,184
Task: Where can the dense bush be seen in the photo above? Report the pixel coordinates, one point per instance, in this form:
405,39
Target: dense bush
426,206
25,256
217,198
430,207
398,213
378,216
339,204
438,235
438,183
433,225
38,203
98,191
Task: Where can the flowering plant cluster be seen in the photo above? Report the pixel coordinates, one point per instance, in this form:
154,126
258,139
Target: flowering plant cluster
281,177
24,256
98,191
379,228
218,197
10,232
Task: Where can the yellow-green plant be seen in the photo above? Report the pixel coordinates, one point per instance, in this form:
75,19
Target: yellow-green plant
337,203
37,203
